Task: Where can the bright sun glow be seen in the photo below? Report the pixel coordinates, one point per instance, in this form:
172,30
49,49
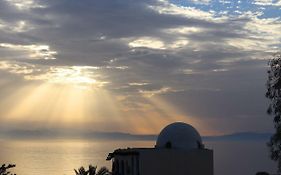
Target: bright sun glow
75,75
67,96
33,51
24,5
48,105
87,76
63,105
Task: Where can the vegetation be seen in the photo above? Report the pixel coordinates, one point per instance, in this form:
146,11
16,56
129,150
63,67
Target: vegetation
92,171
81,171
274,94
262,173
4,169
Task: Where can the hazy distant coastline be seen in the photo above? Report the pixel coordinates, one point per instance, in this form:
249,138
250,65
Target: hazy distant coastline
49,134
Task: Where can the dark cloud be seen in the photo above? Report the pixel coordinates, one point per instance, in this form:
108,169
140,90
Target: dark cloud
210,64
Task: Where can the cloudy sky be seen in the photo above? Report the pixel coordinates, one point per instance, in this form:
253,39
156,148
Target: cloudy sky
136,65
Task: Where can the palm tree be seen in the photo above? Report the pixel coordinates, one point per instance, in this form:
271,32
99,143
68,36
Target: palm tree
103,171
4,169
92,171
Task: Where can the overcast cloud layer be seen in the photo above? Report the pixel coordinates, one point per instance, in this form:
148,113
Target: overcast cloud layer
208,58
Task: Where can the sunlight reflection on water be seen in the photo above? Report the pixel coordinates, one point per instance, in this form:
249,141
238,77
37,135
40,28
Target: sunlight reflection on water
60,157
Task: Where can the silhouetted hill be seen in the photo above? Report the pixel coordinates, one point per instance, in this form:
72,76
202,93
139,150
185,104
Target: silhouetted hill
53,134
239,136
118,136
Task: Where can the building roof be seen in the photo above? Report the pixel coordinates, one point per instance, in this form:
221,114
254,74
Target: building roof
128,151
176,136
179,135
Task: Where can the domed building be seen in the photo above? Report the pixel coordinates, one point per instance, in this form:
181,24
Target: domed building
178,151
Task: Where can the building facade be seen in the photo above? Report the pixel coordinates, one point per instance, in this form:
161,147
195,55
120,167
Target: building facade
178,151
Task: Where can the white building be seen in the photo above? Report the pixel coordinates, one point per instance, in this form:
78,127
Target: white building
178,151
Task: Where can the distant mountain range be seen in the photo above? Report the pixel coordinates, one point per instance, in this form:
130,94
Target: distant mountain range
51,134
239,136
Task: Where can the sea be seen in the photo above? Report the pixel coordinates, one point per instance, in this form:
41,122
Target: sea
61,157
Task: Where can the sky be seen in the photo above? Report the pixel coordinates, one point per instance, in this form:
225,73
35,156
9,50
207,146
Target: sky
136,65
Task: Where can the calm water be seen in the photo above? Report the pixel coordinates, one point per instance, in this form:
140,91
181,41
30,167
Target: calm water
59,157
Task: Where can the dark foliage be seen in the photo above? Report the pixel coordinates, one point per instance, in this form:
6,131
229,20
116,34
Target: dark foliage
262,173
103,171
274,94
4,170
92,171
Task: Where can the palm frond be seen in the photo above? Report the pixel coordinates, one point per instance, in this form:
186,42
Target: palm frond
103,171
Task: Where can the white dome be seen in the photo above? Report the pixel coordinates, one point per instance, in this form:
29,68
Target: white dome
179,136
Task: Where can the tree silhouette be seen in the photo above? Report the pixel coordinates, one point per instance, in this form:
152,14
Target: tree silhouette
103,171
4,169
262,173
92,171
274,94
